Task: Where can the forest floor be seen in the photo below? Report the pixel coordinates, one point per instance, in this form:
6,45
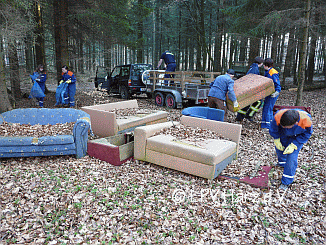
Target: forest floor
64,200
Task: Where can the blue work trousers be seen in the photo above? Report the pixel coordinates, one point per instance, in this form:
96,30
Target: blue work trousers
41,100
288,161
71,91
169,67
267,114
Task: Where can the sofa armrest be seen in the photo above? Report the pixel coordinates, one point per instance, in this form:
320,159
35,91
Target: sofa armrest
80,133
144,132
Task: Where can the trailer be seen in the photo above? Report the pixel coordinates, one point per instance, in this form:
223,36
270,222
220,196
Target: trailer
180,87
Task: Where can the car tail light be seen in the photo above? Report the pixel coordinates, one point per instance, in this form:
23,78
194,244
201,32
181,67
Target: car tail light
129,82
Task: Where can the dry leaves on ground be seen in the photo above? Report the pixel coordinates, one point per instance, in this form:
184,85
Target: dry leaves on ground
61,200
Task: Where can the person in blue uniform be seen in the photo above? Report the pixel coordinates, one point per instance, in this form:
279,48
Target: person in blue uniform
250,111
221,86
40,77
69,78
290,130
267,114
169,61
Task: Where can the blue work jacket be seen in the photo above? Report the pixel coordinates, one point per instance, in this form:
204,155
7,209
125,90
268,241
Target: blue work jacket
299,133
221,86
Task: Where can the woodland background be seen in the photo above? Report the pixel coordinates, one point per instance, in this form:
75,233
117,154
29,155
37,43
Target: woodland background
208,35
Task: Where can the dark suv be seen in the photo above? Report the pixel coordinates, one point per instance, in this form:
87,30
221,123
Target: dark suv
124,80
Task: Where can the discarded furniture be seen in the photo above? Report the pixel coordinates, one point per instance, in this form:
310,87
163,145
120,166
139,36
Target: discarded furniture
105,123
25,146
115,149
207,161
204,112
251,88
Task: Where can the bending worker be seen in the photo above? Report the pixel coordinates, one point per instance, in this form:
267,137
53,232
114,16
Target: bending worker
290,130
221,86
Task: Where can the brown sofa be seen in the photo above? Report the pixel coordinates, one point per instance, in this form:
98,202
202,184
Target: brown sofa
207,162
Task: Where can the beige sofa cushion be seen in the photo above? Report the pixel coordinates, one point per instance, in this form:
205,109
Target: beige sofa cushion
139,119
211,151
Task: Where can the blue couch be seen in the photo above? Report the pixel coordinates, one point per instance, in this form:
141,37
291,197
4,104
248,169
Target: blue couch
204,112
25,146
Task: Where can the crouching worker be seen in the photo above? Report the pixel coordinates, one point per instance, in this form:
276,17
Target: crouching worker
69,78
290,130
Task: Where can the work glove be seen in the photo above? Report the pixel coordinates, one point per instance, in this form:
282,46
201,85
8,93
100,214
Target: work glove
275,94
61,81
278,144
68,81
291,147
236,106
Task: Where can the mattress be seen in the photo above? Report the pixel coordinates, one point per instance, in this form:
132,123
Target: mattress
251,88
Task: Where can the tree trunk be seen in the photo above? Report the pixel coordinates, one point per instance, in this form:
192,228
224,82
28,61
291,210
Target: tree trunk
140,34
254,48
303,55
80,42
61,35
14,72
243,48
289,57
311,60
29,54
274,47
4,99
39,34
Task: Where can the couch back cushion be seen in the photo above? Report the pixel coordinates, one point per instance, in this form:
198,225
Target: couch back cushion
111,106
43,116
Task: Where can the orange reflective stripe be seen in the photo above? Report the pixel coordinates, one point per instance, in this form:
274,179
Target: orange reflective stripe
305,121
272,72
70,73
278,116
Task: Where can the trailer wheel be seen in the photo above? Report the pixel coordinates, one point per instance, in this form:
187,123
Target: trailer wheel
170,101
159,99
124,93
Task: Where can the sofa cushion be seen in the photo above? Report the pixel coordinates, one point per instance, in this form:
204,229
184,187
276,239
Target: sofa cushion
210,152
45,140
251,88
140,119
43,116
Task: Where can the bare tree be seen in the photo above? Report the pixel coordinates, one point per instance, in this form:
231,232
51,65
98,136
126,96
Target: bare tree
303,54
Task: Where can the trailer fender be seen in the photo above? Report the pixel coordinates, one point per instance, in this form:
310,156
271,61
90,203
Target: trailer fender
177,95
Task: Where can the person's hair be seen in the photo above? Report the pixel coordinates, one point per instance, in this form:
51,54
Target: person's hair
290,117
230,71
66,67
259,60
39,67
269,62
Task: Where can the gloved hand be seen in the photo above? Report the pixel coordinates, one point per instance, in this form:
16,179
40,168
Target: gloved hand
236,106
37,79
61,81
68,81
275,94
278,144
291,147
